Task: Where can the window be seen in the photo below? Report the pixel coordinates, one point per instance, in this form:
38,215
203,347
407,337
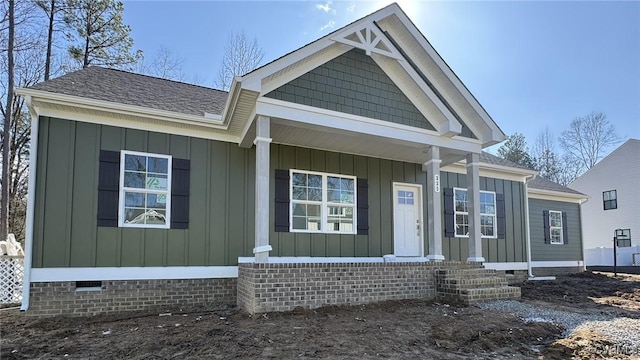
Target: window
488,219
610,199
145,190
555,227
323,203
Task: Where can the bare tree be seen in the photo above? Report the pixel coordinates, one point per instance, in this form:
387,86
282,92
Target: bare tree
545,156
165,64
588,137
4,201
570,170
240,57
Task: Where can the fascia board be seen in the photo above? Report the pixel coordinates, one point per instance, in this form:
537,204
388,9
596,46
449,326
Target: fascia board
496,134
556,195
297,69
232,99
493,171
359,124
254,80
450,126
119,120
81,102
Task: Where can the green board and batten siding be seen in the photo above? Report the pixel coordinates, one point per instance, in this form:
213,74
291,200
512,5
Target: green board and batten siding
380,174
66,234
510,249
221,226
555,252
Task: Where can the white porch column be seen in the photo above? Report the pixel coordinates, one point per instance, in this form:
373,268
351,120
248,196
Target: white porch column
473,205
262,142
434,205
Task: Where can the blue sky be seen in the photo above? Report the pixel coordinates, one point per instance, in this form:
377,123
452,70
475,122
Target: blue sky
530,64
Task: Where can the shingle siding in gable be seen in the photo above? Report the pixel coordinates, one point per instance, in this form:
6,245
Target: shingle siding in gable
353,83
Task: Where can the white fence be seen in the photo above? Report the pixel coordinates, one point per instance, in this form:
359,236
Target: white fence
11,276
603,256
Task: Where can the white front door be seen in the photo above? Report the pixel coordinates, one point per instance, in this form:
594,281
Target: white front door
407,219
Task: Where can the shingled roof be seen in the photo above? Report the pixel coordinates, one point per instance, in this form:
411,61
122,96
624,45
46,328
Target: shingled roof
487,158
141,90
537,183
544,184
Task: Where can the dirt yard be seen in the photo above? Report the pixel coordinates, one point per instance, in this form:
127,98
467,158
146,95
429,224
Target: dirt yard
398,330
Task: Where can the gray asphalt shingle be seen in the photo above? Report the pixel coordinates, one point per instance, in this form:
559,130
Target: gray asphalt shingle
537,183
487,158
544,184
134,89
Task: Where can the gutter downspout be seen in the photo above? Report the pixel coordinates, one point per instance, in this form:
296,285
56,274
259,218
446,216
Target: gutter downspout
33,158
527,179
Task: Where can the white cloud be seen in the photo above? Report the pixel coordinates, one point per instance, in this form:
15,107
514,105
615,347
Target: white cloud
330,25
326,7
351,8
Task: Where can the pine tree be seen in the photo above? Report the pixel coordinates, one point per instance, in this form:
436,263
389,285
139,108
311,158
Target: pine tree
99,35
515,149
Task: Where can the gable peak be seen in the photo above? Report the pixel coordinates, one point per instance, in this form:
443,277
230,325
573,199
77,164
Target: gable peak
368,37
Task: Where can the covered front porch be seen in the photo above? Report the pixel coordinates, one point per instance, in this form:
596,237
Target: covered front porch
402,189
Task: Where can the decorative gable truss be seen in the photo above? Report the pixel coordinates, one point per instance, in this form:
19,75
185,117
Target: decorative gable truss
398,48
368,38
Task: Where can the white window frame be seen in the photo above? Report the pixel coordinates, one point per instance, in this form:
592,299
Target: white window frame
324,204
551,227
494,215
123,189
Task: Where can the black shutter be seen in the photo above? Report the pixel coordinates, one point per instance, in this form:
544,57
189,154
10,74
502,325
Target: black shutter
282,200
108,186
449,213
565,229
500,214
180,185
547,228
363,207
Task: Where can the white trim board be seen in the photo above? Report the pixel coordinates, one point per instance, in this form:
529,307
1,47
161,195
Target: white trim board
132,273
304,115
556,196
534,264
219,272
331,260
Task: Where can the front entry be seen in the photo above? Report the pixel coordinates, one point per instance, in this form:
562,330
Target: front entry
407,219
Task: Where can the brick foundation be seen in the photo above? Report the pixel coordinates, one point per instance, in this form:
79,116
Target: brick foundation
283,287
56,298
273,287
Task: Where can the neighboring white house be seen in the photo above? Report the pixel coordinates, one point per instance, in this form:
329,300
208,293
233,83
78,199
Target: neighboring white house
613,186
